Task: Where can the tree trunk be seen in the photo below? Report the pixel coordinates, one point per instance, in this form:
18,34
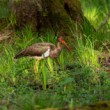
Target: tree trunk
60,16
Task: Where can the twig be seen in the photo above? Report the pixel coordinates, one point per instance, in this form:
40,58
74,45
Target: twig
104,21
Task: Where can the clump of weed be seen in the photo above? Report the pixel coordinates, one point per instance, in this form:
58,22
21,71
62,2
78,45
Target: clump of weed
86,53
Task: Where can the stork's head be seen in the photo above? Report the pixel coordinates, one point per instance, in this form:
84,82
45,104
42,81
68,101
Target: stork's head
61,40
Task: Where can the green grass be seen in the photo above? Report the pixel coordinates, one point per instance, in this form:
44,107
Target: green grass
86,53
53,86
78,80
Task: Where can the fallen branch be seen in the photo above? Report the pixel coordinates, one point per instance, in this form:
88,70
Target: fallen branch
5,34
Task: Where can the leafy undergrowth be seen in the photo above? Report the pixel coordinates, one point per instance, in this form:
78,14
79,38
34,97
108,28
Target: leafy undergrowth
80,79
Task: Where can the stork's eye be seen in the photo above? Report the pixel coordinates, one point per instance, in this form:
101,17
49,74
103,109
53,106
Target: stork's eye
60,38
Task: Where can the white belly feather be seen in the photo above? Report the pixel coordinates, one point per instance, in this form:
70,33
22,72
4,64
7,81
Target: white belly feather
44,55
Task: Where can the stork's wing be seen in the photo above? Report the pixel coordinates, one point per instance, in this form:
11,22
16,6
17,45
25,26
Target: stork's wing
35,50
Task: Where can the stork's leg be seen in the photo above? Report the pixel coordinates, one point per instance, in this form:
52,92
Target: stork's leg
56,60
36,67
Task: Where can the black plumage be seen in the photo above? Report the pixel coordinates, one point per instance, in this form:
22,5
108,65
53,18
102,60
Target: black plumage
42,50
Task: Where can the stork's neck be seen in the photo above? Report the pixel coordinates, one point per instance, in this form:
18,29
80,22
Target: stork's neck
56,51
59,46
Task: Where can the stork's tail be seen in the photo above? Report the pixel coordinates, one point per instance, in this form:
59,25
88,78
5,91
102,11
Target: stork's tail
18,55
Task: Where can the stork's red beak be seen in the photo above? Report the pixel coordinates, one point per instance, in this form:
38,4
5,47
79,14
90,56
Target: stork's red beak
64,43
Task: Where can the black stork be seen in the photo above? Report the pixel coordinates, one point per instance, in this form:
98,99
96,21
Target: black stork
43,50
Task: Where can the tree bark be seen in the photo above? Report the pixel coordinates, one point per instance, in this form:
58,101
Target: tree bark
61,16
